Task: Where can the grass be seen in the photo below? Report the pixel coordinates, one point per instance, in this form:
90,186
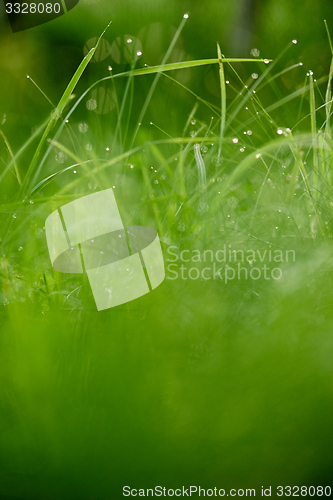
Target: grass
225,384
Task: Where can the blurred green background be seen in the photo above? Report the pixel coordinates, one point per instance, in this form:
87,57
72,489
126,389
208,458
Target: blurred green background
195,383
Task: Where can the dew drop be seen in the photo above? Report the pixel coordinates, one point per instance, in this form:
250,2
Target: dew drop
61,157
249,132
193,122
185,16
294,42
192,133
91,104
254,76
204,149
83,127
235,140
129,40
279,131
255,52
139,53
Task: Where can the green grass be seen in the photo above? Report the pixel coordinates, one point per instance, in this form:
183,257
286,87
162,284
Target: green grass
200,381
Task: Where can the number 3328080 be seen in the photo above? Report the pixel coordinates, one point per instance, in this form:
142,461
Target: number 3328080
33,8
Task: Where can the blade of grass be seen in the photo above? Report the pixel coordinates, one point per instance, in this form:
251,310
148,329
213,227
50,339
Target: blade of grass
12,156
223,97
65,99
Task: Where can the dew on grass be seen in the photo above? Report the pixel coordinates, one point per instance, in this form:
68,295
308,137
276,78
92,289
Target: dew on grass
4,118
203,207
181,226
83,127
233,202
129,40
249,132
14,216
204,149
88,147
294,42
110,68
107,149
60,157
31,202
300,64
279,131
156,181
20,248
102,50
266,61
139,53
74,171
193,121
91,104
254,76
227,82
235,140
242,150
185,16
193,133
217,161
255,52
